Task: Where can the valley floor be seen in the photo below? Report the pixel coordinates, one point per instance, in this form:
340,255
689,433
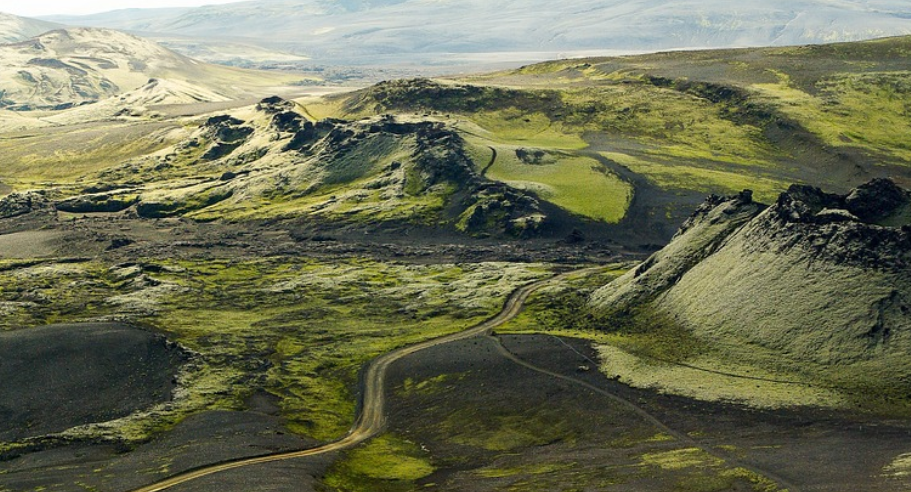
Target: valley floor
468,416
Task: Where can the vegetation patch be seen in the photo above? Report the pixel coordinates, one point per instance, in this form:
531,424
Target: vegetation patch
578,184
299,329
385,464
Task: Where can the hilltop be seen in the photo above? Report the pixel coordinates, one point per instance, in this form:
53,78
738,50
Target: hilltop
14,28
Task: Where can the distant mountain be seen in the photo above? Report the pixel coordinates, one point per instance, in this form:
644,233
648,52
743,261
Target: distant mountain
66,68
360,31
14,28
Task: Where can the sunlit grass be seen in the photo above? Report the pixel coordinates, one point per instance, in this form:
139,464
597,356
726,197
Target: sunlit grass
578,184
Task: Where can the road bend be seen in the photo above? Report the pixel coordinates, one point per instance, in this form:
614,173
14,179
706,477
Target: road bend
371,419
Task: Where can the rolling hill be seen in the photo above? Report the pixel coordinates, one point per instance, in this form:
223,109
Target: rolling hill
14,28
436,32
66,68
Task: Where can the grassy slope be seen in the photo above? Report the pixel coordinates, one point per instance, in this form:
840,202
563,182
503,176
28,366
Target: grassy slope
742,294
44,158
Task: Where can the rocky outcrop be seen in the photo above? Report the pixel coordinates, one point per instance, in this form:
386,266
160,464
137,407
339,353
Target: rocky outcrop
227,134
17,204
96,203
818,283
429,95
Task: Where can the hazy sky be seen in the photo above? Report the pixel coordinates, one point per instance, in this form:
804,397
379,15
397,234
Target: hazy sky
32,8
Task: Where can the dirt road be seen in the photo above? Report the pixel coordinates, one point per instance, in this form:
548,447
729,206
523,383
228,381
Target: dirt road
371,419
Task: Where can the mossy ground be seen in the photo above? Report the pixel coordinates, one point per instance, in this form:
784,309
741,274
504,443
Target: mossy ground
489,424
385,464
43,158
299,329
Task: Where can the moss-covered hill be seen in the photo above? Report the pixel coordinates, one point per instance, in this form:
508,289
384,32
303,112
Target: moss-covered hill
675,127
271,162
621,148
816,287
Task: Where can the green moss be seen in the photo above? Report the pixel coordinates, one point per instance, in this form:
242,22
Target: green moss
427,387
387,463
516,127
866,110
302,329
503,430
700,177
74,152
299,329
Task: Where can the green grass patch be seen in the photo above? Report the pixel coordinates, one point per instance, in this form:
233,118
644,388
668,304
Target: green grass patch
65,155
386,463
578,184
682,176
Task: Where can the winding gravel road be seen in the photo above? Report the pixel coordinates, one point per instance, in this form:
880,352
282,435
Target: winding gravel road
371,419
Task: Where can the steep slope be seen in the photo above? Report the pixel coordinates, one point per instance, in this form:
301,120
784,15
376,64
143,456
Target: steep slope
358,31
14,28
66,68
816,285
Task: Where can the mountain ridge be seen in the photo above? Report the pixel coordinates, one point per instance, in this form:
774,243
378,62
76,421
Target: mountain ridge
348,32
14,28
64,68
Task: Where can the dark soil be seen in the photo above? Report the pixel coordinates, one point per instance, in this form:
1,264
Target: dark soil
57,377
600,441
203,439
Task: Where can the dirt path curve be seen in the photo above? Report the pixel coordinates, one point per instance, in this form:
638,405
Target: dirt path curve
493,160
647,416
371,419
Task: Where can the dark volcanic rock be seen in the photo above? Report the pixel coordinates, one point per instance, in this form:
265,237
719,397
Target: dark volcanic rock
95,203
841,228
876,200
285,118
17,204
228,133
